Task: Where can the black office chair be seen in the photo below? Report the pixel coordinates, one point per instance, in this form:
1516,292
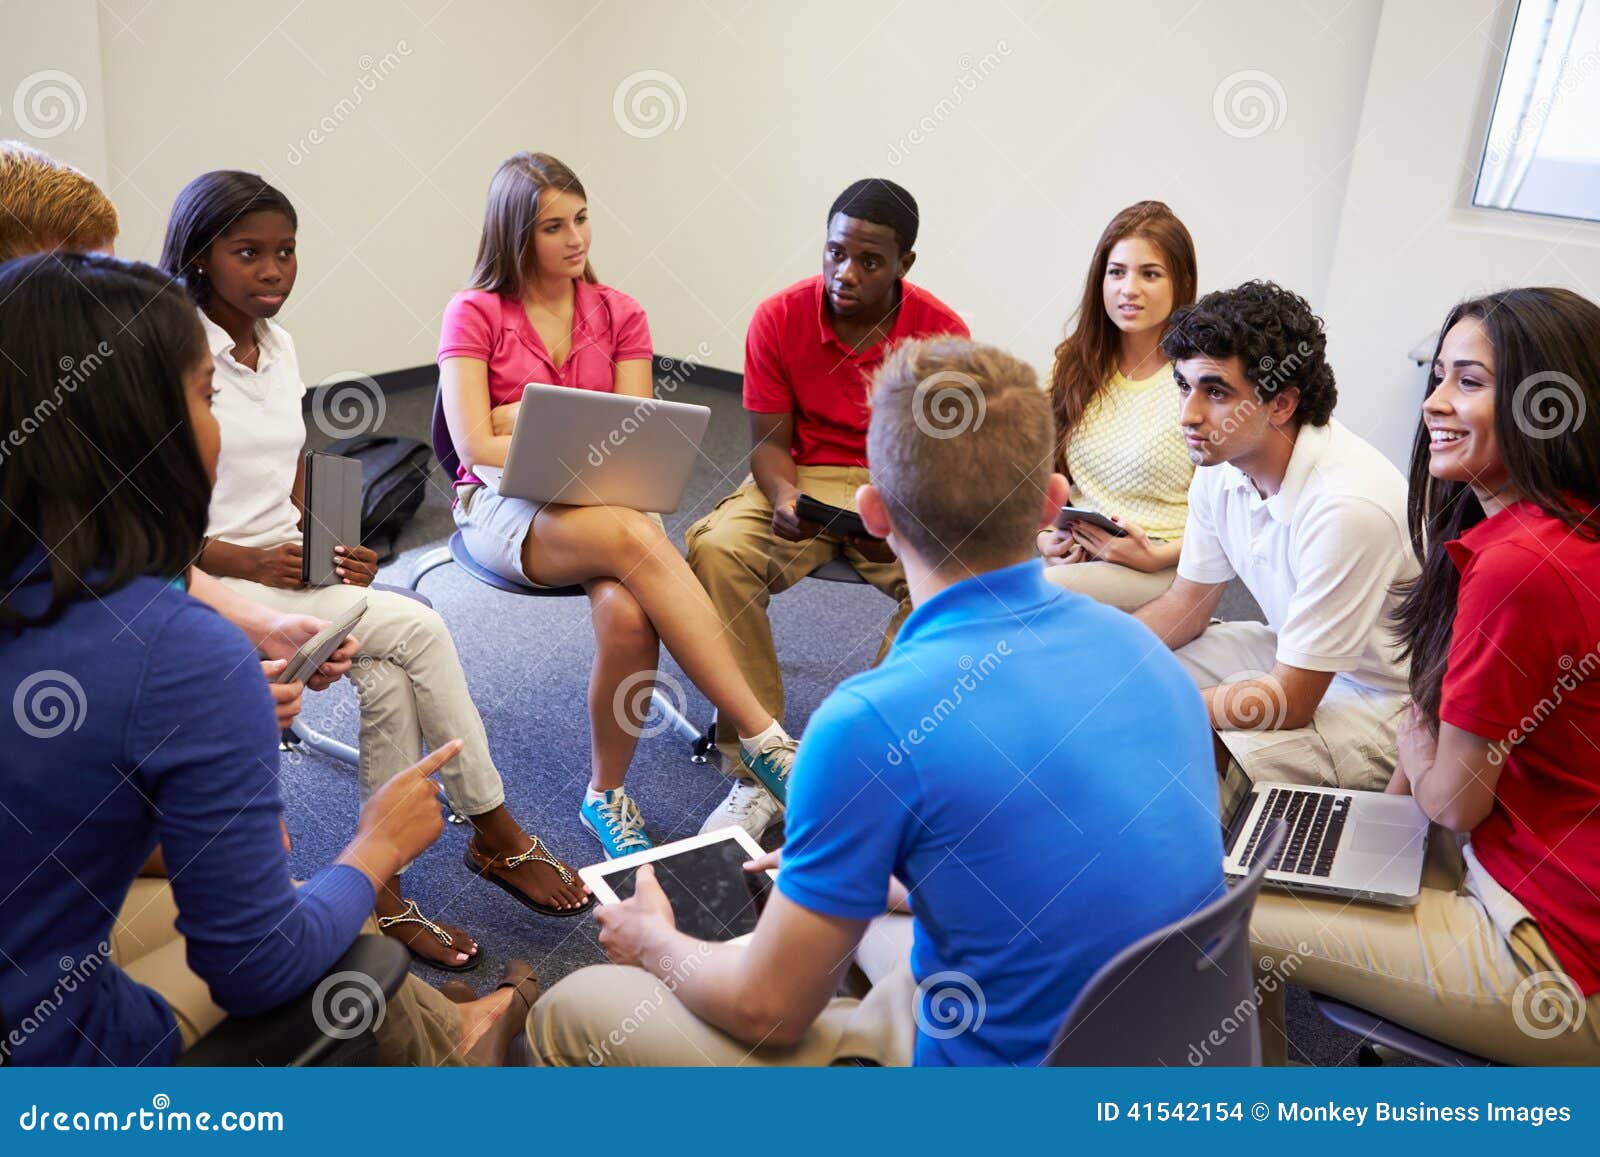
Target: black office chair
835,570
1160,1000
455,551
333,1023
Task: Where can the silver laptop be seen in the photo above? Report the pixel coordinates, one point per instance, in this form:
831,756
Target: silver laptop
585,448
1360,845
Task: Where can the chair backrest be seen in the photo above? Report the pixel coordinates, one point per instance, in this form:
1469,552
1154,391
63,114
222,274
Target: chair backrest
1183,995
444,447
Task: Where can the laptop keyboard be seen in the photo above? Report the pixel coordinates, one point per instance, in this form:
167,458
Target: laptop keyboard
1315,821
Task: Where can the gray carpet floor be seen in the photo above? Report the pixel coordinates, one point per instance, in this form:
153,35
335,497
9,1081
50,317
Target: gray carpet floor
527,662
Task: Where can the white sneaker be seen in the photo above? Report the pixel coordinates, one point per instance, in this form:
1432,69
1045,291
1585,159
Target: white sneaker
749,806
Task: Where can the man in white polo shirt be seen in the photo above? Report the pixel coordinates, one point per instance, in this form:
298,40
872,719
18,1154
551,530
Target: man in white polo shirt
1313,520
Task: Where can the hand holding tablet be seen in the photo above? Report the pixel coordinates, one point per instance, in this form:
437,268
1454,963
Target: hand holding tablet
713,896
316,650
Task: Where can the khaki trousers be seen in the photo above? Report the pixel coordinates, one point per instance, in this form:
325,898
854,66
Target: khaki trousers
1115,585
1445,969
420,1026
742,564
610,1015
410,688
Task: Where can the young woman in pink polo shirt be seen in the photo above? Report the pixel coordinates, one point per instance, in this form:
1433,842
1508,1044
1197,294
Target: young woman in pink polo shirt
1502,630
534,312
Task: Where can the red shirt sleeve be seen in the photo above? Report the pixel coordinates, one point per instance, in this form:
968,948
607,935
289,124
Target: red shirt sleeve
767,389
955,327
1513,613
469,326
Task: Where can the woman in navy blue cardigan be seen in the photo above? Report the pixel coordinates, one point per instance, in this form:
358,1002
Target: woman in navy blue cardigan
139,717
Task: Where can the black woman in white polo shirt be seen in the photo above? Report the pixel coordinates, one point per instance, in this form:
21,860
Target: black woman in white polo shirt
231,240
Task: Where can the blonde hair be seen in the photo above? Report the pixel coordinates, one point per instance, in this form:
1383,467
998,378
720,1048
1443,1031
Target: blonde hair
45,204
961,444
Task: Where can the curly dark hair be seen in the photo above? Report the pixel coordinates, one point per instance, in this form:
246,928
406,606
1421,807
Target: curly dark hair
1274,334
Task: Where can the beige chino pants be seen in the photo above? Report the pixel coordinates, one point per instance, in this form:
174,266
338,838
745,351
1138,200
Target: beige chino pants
742,564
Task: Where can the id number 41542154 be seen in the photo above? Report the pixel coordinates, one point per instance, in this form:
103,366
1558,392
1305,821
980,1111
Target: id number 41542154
1195,1111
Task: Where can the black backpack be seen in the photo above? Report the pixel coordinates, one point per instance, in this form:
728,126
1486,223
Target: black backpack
394,480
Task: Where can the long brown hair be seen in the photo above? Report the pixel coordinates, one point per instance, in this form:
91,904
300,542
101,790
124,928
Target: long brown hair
1540,337
1084,361
505,250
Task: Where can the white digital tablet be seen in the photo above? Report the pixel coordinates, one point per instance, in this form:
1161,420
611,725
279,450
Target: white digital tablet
713,897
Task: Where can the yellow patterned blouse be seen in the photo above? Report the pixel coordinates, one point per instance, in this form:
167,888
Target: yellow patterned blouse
1128,458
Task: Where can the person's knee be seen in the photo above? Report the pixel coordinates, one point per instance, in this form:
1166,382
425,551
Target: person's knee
621,623
419,623
727,554
629,538
589,1017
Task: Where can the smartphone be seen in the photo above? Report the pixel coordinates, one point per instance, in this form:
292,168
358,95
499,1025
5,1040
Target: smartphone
1070,514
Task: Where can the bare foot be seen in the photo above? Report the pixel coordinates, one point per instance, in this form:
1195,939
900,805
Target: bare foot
488,1026
424,944
458,992
536,879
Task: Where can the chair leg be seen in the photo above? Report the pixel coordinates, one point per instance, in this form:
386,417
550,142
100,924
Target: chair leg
429,563
659,702
705,743
305,734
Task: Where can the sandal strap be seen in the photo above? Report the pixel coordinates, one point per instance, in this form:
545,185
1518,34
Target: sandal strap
411,914
537,853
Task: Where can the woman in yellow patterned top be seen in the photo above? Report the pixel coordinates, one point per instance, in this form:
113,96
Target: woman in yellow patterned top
1116,408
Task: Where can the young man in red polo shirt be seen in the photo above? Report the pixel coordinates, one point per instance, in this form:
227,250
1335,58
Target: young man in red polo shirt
809,358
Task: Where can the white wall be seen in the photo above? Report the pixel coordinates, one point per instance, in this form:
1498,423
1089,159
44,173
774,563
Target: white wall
1053,118
391,199
50,80
1020,129
1408,244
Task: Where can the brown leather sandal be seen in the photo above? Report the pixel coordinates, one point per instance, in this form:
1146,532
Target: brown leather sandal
488,867
411,914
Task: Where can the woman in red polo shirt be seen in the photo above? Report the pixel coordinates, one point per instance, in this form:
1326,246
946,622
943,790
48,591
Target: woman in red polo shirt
1501,744
536,313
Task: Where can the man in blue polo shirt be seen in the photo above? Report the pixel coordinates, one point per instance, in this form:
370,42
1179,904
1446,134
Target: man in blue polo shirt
1029,769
